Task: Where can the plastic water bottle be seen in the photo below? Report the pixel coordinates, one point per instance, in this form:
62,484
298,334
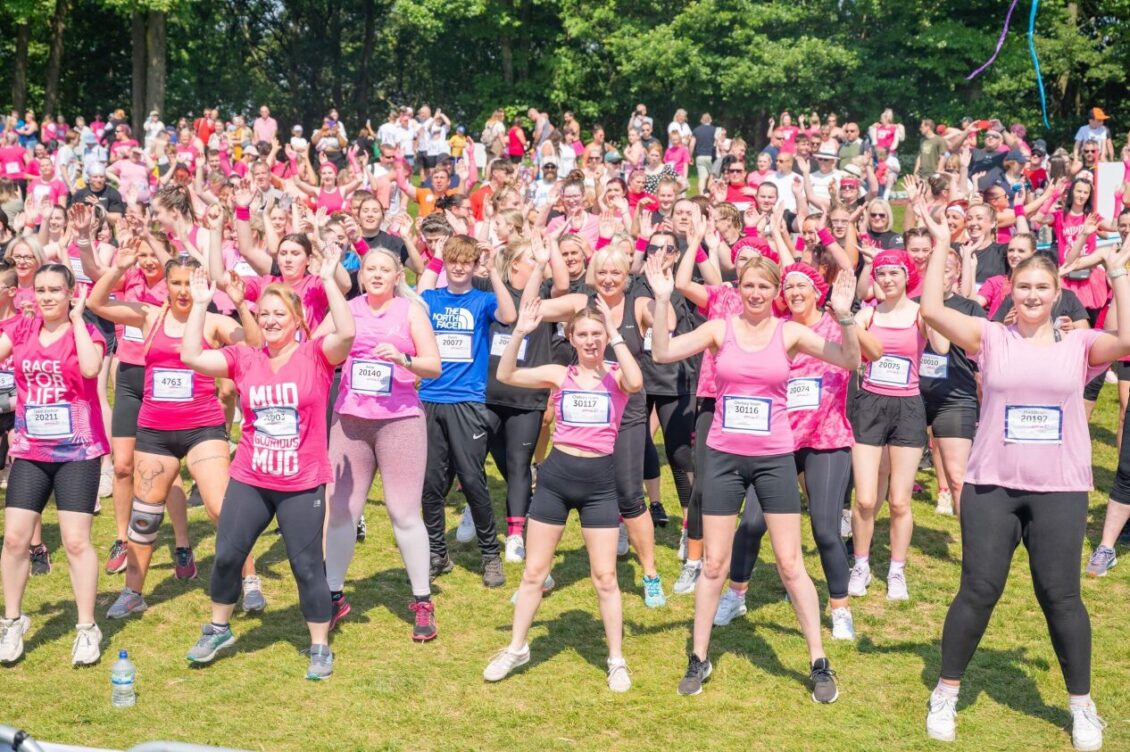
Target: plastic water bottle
123,676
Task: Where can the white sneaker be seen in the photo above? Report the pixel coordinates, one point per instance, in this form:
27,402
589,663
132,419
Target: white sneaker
86,650
730,607
688,578
622,544
1087,729
945,503
843,626
12,633
941,719
465,533
504,662
515,549
619,678
896,587
546,586
845,524
859,580
683,545
106,482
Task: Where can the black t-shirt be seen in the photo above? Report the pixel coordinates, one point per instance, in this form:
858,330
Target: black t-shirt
389,242
959,386
992,261
563,353
1068,305
536,353
635,412
704,140
888,239
670,379
109,199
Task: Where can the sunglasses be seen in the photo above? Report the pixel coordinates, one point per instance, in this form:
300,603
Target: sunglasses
1090,151
549,168
738,171
877,216
668,248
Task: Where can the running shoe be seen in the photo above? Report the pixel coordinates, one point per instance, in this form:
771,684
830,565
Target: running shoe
362,530
194,497
927,461
1111,377
945,503
730,606
493,576
128,602
116,562
184,564
504,662
425,627
622,543
441,565
12,633
253,598
86,650
845,523
515,549
106,482
688,578
658,514
341,609
941,718
653,596
465,533
619,677
211,642
843,626
40,560
896,587
683,545
1101,562
1087,729
823,680
698,671
859,579
321,666
546,586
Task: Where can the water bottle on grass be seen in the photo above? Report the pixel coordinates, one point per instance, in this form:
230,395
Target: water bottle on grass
123,678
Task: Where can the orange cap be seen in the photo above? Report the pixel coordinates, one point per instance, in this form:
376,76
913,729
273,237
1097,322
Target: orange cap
1096,113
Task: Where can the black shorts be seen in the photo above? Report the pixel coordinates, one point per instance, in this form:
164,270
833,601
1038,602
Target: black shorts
1094,387
74,483
106,328
587,484
951,421
7,423
429,162
628,457
179,442
880,420
1123,370
129,388
726,478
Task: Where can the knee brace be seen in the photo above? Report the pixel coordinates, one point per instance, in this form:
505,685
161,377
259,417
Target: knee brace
145,521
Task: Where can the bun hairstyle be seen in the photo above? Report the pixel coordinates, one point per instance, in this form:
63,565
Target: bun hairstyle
176,198
290,301
181,262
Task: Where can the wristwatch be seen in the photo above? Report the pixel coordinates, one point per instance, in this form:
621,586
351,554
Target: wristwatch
407,360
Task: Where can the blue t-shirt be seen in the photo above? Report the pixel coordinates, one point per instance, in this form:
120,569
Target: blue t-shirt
462,326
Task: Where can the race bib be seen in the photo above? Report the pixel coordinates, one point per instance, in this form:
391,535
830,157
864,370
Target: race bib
48,421
371,377
499,342
80,273
172,384
647,341
455,346
12,168
132,334
244,269
585,408
804,394
934,366
1033,424
890,370
749,415
277,422
7,381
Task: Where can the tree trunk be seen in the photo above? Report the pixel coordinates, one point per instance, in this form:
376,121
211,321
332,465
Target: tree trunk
506,49
140,60
155,42
19,68
55,59
361,96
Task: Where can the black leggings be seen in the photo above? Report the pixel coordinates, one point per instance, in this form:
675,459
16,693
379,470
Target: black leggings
513,437
1051,525
627,456
677,419
246,513
703,417
827,477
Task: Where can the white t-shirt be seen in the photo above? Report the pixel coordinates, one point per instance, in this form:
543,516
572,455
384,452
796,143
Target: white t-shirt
387,134
821,182
437,139
684,130
1087,133
784,185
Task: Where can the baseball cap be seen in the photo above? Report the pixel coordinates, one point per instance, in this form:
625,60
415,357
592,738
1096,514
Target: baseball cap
1040,146
1096,113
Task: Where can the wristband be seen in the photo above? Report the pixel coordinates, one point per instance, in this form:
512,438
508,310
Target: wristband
826,237
243,213
800,244
849,321
82,242
435,265
641,245
601,242
1116,273
701,256
614,342
361,247
407,360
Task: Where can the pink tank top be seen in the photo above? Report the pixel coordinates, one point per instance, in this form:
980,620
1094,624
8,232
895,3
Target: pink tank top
896,373
130,338
589,419
59,417
331,201
750,418
817,399
282,445
722,302
175,397
370,387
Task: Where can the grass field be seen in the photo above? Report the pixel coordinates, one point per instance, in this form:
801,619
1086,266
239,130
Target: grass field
388,693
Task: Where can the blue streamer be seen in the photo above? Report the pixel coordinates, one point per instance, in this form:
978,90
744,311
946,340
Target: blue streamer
1036,61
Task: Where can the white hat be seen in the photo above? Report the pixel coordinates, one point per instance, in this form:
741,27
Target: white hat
825,155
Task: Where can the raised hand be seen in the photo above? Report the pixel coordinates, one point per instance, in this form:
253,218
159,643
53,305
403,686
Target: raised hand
331,257
235,287
659,278
606,312
126,255
243,195
80,219
213,219
78,305
528,317
843,294
201,287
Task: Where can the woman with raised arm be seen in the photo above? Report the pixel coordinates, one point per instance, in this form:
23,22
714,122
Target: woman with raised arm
1029,474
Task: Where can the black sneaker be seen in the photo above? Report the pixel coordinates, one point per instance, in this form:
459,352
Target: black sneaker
441,565
698,671
493,576
362,529
40,560
658,514
823,680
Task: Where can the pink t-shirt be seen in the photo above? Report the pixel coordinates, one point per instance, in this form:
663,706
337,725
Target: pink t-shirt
283,443
788,138
370,387
885,135
589,419
186,155
58,417
722,302
994,290
309,289
55,191
130,338
589,229
678,157
131,173
12,162
817,400
1032,434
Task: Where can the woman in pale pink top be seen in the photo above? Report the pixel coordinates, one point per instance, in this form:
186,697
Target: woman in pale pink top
1029,474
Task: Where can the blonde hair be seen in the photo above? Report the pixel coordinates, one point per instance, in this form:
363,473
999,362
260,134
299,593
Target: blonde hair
291,302
883,204
32,244
514,219
590,311
766,267
608,255
510,253
402,290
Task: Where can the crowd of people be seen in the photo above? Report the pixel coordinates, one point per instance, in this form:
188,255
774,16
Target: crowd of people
375,305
